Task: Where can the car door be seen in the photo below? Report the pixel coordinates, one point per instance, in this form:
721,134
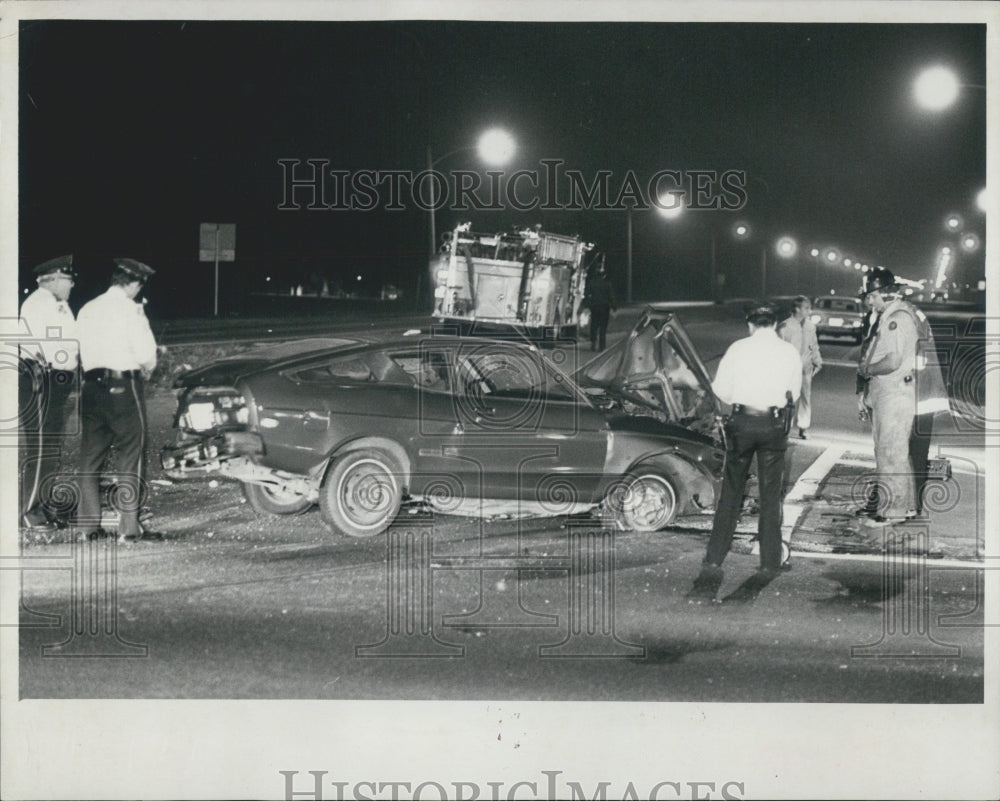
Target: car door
527,426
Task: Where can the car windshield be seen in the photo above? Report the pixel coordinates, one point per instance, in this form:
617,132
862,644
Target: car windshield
839,305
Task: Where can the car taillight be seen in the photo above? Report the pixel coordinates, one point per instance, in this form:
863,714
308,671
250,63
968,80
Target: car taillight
207,409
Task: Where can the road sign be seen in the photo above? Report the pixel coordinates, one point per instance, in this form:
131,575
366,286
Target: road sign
219,237
217,242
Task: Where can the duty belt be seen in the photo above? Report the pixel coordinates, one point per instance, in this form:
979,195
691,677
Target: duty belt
104,374
36,366
755,411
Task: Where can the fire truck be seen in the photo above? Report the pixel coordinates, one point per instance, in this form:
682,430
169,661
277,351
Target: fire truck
527,283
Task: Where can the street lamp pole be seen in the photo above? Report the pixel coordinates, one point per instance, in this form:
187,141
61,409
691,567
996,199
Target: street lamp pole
713,291
628,256
430,169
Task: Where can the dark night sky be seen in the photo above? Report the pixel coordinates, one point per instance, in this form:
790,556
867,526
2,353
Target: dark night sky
133,132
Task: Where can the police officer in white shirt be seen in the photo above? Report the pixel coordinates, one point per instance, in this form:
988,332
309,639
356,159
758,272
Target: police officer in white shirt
117,354
757,376
48,371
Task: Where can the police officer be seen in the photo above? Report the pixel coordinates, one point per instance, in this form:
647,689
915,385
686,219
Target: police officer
117,353
901,391
758,376
48,371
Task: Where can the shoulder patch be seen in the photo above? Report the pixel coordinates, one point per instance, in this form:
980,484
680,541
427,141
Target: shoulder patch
892,325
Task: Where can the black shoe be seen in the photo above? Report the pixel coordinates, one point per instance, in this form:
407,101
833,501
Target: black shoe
802,434
707,584
142,536
34,519
96,534
865,511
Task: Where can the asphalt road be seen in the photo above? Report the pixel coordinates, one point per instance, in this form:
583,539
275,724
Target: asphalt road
231,605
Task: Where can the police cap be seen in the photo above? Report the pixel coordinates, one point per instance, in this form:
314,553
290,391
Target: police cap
59,267
762,314
136,269
878,279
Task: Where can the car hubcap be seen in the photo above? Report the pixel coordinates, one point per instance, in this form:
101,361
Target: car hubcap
648,503
367,493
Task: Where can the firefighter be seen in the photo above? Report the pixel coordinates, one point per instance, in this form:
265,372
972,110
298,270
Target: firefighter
599,297
901,391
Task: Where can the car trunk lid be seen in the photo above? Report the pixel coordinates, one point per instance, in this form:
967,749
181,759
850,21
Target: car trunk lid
227,371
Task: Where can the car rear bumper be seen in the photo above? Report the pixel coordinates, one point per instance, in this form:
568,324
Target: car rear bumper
207,455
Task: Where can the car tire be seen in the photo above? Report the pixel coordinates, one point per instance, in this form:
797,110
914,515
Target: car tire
265,500
646,501
362,493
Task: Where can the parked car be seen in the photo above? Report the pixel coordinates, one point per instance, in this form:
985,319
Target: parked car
837,316
460,424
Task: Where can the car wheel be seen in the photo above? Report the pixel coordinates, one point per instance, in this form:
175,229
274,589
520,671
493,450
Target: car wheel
267,500
646,502
362,493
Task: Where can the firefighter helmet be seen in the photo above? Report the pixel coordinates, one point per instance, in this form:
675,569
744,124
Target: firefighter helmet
878,279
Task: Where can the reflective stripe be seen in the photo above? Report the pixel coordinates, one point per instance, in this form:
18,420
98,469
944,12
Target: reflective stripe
142,440
40,403
933,405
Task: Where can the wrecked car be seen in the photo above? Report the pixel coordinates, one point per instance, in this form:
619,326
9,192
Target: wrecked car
465,426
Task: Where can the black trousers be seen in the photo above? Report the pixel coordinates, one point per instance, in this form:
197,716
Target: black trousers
920,446
599,317
42,396
112,413
747,436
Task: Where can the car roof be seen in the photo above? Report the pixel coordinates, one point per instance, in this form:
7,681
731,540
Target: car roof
289,354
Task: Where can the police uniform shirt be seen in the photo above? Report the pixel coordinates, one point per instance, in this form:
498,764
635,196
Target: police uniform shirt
757,371
114,333
50,330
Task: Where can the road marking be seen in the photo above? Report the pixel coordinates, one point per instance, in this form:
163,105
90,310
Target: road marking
813,475
881,557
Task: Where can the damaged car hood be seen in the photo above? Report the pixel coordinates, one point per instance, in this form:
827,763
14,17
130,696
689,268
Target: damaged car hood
654,372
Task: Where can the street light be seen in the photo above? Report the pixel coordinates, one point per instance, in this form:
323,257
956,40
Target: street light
495,148
937,87
785,247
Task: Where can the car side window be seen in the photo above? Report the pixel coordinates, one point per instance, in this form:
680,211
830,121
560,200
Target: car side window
428,370
345,368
